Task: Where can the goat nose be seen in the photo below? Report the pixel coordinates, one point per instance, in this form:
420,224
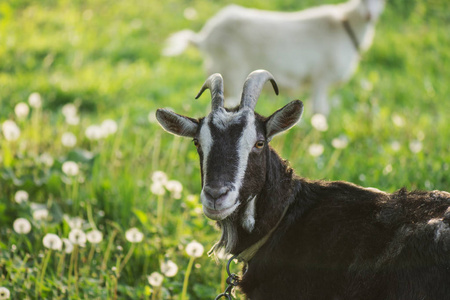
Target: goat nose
215,193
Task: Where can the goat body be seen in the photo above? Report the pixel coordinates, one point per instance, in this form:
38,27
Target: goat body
326,240
306,47
342,241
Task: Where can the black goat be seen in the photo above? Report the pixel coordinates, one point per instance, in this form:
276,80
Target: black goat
314,239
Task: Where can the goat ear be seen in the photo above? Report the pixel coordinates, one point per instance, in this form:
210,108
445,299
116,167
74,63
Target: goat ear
176,124
284,118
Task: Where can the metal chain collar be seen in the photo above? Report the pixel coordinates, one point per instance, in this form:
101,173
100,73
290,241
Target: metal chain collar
232,281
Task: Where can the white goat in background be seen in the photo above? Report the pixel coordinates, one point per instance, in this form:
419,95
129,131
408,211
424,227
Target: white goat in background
319,46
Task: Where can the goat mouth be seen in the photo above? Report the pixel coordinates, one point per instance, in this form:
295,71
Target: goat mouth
220,214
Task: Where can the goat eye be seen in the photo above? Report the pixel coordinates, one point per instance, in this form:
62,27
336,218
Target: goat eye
196,143
259,144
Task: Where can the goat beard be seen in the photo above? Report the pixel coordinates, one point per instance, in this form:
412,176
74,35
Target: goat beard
229,238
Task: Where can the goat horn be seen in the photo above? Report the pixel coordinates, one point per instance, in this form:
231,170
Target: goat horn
215,84
253,86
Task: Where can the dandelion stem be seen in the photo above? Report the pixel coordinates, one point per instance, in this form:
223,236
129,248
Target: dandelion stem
108,249
60,268
127,257
186,277
44,267
76,269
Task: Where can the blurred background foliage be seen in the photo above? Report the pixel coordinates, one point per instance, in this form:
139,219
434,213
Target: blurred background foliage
104,56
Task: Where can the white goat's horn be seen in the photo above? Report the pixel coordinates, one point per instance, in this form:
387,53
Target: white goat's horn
253,86
215,84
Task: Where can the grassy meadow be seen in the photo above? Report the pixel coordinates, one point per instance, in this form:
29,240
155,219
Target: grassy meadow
98,202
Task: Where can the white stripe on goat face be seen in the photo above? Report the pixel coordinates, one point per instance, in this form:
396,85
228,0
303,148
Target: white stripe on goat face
226,139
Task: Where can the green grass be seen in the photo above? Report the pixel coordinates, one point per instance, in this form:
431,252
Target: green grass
104,57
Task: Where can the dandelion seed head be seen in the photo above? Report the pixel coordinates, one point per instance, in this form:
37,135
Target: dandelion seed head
35,100
94,236
395,145
94,132
21,196
152,117
415,146
73,120
194,249
68,139
190,13
319,122
159,177
22,226
109,127
340,142
133,235
46,159
316,150
77,237
75,222
169,268
387,169
366,84
4,293
40,214
11,131
70,168
68,246
69,110
52,241
174,186
155,279
157,188
21,110
398,120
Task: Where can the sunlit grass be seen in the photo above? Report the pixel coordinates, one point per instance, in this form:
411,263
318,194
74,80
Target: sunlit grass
97,201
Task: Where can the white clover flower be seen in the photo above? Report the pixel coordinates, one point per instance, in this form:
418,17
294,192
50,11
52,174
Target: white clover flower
35,100
155,279
73,120
133,235
175,188
68,246
190,13
398,121
4,293
415,146
68,139
40,214
194,249
77,237
11,131
21,110
69,110
70,168
94,236
340,142
52,241
159,177
316,149
169,268
108,127
157,188
46,159
21,196
94,132
152,117
319,122
22,226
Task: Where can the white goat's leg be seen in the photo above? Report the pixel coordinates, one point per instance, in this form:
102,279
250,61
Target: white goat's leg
319,97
